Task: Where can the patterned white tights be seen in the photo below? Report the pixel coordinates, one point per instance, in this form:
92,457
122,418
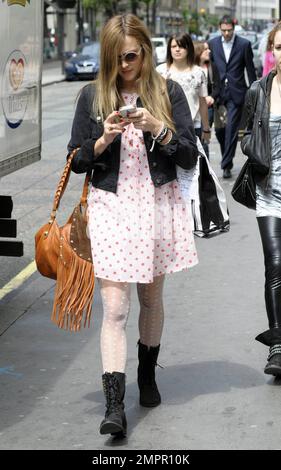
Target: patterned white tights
116,307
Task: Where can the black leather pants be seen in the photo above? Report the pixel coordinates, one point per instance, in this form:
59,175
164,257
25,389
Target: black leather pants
270,231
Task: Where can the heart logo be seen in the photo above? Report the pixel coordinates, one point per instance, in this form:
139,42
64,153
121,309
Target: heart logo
16,73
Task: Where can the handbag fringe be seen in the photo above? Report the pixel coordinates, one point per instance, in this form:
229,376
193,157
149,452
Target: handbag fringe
74,293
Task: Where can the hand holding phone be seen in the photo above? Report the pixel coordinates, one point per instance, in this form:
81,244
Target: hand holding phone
125,111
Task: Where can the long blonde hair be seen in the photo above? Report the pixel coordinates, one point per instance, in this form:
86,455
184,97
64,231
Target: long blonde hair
151,87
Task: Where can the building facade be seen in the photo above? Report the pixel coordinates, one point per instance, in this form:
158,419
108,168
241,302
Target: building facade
168,18
256,11
222,7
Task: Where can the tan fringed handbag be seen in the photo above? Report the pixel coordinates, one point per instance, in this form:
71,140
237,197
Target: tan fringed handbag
64,253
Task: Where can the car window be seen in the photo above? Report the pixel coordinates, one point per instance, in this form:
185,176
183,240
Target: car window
158,43
90,49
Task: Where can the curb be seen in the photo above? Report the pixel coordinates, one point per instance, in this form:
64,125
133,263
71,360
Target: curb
52,82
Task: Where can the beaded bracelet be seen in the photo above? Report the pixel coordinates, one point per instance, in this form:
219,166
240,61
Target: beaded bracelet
157,136
162,135
170,137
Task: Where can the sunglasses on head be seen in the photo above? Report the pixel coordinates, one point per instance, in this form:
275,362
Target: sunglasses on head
129,57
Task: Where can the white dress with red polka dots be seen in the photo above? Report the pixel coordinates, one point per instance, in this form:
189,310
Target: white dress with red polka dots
141,231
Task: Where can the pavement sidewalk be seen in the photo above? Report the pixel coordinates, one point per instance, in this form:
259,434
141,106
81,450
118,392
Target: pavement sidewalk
214,392
52,73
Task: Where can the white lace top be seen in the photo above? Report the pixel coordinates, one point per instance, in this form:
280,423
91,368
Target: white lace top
194,85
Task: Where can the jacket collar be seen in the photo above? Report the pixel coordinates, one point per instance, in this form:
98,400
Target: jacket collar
228,42
220,47
266,83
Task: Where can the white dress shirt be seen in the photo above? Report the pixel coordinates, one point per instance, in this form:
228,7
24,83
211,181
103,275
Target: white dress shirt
227,47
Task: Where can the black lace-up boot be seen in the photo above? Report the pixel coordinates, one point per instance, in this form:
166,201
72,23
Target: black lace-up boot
114,390
272,338
149,393
273,366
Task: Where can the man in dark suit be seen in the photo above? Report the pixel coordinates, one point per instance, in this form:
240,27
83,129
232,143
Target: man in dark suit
231,54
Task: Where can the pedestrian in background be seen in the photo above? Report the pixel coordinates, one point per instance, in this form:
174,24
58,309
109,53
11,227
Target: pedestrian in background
202,59
231,54
180,67
269,59
139,226
264,101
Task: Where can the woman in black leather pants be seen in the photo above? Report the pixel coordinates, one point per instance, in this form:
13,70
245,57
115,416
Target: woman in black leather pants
265,128
270,231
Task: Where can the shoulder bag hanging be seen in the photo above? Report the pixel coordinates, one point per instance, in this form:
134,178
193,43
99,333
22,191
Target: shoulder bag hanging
244,188
64,253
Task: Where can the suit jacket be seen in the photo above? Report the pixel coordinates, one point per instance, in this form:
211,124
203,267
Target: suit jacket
241,57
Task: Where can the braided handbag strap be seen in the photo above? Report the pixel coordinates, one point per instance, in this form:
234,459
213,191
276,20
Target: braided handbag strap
83,199
63,183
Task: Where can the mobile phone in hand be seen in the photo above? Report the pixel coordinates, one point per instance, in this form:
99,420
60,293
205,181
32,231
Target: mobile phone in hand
125,111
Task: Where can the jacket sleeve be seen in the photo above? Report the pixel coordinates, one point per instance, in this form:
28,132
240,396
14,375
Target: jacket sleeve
84,134
182,148
216,84
249,114
250,63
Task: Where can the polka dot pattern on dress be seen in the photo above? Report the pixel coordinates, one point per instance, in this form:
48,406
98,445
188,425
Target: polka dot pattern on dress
141,231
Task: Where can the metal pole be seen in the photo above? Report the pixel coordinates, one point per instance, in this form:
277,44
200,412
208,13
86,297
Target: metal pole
61,38
80,21
279,16
197,18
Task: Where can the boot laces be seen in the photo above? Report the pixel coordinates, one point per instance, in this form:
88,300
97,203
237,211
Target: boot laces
112,394
276,349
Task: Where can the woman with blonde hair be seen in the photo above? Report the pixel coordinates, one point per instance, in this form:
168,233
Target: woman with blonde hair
139,225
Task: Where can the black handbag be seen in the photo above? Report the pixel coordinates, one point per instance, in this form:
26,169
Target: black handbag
244,188
220,116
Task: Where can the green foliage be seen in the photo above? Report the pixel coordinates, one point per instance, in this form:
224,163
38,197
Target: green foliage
97,4
91,3
195,22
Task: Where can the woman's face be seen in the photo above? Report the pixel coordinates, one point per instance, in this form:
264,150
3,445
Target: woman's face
130,60
277,49
205,56
178,53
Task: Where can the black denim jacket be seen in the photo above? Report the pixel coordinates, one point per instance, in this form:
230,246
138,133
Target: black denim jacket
181,150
